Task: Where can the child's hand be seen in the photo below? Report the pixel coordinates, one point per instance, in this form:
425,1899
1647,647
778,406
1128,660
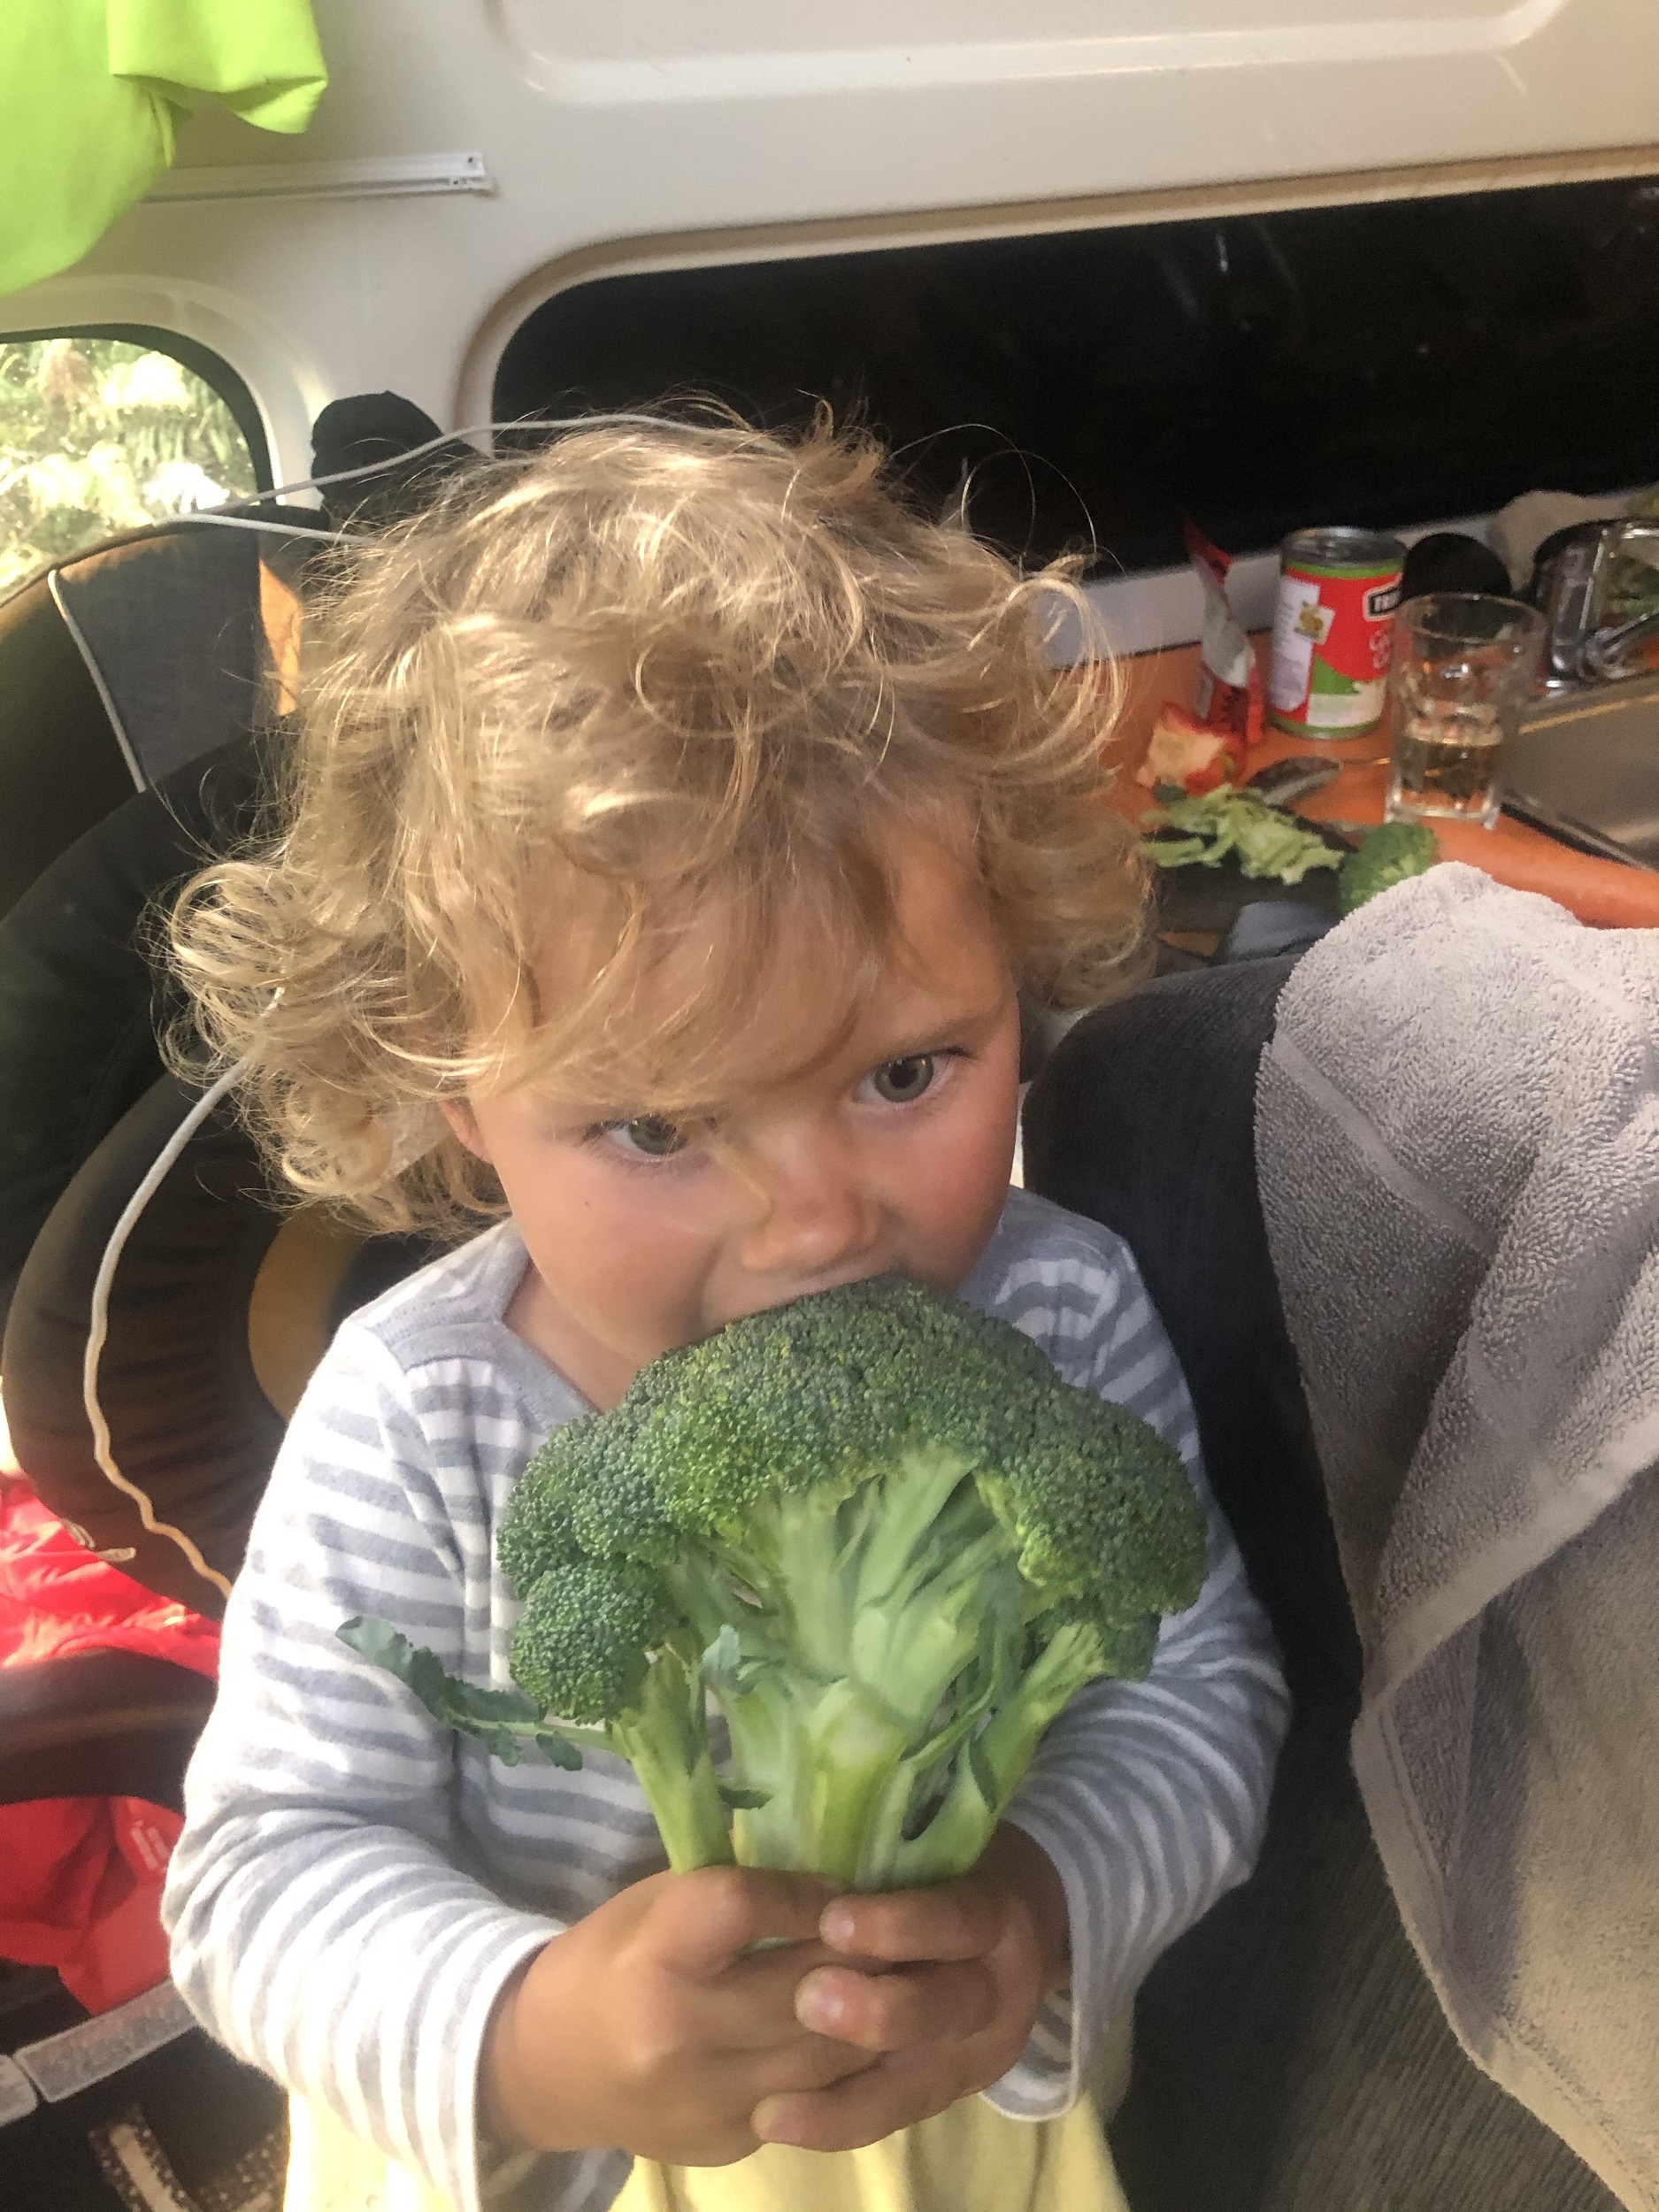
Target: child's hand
643,2026
971,1963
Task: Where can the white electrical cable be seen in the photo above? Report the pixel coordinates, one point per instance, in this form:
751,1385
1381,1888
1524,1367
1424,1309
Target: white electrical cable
226,517
477,430
140,782
263,529
100,1322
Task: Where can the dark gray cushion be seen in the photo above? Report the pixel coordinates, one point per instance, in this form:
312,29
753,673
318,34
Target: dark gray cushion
171,622
1291,2056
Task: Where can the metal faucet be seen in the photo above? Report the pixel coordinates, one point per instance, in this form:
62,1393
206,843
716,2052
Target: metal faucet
1571,586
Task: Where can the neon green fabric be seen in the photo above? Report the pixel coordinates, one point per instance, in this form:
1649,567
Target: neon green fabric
90,92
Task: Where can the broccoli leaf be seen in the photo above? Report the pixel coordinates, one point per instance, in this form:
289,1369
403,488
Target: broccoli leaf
502,1720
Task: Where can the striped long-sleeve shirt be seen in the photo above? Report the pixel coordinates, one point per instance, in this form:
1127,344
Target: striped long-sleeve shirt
355,1883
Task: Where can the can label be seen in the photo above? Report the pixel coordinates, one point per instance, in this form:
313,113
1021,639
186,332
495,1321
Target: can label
1337,592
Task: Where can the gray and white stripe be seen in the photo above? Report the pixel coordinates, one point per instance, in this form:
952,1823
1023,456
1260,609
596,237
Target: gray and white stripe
353,1885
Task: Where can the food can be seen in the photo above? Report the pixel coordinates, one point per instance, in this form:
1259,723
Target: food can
1338,590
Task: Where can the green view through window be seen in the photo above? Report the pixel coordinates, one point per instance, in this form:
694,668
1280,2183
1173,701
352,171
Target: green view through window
100,435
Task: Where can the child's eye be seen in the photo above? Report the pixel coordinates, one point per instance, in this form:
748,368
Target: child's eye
647,1135
900,1081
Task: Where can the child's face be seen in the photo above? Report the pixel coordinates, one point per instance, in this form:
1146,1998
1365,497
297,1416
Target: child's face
891,1151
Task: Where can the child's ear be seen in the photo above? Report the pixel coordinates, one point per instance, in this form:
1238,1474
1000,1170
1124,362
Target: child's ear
464,1122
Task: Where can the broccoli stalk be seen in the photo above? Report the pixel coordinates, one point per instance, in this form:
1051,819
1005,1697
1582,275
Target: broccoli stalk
877,1530
665,1740
858,1674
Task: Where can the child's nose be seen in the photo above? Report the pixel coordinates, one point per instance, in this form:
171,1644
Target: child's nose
814,1214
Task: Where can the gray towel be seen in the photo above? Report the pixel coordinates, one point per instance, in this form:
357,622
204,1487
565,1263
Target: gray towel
1457,1141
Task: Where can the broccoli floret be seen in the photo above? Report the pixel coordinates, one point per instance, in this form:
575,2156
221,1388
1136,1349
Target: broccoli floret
888,1541
1386,856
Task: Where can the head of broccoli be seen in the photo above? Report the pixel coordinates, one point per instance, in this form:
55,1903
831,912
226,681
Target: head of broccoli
879,1531
1385,856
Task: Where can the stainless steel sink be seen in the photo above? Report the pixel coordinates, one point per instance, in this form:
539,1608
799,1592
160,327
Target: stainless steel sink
1585,764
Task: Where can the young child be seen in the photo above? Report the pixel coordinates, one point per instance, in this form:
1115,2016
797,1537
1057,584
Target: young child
676,821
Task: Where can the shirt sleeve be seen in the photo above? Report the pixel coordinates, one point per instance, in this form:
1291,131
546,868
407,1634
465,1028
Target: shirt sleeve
321,1927
1149,1797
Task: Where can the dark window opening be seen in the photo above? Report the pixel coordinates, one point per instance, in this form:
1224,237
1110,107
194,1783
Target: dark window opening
1374,365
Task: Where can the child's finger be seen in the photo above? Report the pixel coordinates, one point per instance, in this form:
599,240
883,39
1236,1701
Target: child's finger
700,1922
806,2067
957,1920
898,2011
703,2118
736,2028
865,2107
752,2006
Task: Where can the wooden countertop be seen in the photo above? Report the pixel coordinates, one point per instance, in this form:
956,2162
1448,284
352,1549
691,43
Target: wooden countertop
1602,892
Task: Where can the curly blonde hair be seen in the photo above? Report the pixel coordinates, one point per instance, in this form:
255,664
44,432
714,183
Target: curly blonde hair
649,673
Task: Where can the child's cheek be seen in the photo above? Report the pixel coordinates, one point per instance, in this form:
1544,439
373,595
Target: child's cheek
954,1189
635,1247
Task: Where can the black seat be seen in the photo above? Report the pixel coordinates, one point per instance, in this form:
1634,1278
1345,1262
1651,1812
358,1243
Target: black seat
140,701
131,688
216,1295
117,667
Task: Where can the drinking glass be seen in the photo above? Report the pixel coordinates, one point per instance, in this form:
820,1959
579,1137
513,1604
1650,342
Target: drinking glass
1463,667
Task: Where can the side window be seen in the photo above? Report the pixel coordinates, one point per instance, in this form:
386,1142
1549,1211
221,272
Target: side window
103,431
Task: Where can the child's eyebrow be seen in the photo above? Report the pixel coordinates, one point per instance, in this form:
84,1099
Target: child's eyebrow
918,1039
584,1113
922,1035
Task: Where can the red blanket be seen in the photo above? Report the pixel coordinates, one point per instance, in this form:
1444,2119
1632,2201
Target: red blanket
81,1877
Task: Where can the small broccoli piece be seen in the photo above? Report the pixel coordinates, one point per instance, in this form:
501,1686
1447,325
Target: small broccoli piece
1264,840
1386,856
879,1532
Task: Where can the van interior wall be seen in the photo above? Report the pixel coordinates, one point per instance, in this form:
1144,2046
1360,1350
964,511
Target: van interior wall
1261,263
354,259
